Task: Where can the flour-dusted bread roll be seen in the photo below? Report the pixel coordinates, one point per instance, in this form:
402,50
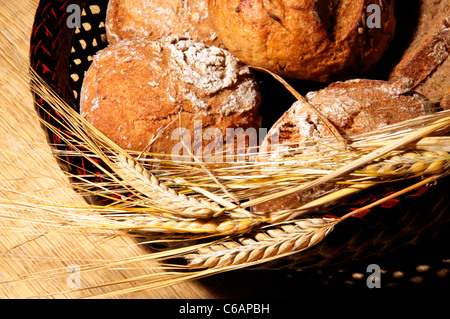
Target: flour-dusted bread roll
353,107
305,39
127,19
143,93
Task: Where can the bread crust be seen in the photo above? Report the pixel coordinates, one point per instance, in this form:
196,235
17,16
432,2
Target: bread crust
140,92
304,39
429,46
353,107
425,64
127,19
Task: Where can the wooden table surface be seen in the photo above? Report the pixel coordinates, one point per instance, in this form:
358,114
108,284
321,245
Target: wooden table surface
31,244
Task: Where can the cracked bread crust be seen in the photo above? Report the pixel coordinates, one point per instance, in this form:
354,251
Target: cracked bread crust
425,64
304,39
137,92
353,107
127,19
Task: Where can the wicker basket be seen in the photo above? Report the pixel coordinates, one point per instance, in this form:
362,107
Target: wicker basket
61,55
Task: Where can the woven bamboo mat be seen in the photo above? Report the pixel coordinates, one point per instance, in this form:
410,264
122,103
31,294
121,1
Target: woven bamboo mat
30,174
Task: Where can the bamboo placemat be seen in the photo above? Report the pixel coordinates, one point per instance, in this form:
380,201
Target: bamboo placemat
29,173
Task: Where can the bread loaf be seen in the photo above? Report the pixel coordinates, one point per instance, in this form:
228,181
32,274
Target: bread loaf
425,64
305,39
353,107
127,19
145,94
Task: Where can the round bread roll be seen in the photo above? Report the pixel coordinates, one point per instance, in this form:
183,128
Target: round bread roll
305,39
353,107
145,94
126,19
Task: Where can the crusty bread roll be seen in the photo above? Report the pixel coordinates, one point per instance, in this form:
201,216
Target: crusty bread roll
425,64
127,19
138,92
305,39
353,107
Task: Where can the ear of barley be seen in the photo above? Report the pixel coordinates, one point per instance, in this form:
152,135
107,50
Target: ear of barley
405,165
158,193
273,243
151,225
410,163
